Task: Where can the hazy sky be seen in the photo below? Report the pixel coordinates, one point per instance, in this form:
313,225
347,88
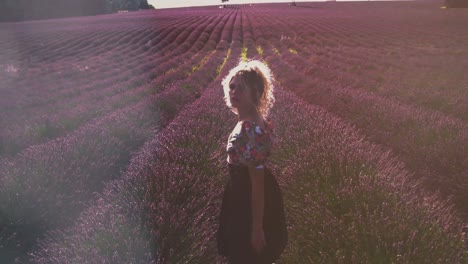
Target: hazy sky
180,3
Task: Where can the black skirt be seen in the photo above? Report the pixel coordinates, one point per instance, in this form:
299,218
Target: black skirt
234,233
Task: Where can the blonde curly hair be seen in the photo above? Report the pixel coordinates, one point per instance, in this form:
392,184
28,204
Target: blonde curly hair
257,77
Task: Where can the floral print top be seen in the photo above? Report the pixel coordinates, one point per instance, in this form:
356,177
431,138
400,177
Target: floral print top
248,144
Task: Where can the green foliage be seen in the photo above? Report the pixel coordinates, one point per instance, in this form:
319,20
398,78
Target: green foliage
18,10
293,51
244,53
130,5
188,87
224,62
260,50
456,3
47,130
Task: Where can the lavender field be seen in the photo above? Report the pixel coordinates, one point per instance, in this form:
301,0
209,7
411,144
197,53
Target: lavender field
113,132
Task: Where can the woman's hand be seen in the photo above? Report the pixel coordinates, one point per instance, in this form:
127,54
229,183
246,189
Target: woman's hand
258,239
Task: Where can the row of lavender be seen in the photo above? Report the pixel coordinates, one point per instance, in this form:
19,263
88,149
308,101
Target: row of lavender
43,111
429,56
55,93
346,199
64,45
431,143
46,186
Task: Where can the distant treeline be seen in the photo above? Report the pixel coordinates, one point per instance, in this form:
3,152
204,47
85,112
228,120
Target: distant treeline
18,10
456,3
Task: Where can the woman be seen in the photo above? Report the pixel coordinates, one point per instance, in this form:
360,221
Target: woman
252,227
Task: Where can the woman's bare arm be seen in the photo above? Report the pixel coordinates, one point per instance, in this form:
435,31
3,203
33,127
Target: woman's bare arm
257,179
